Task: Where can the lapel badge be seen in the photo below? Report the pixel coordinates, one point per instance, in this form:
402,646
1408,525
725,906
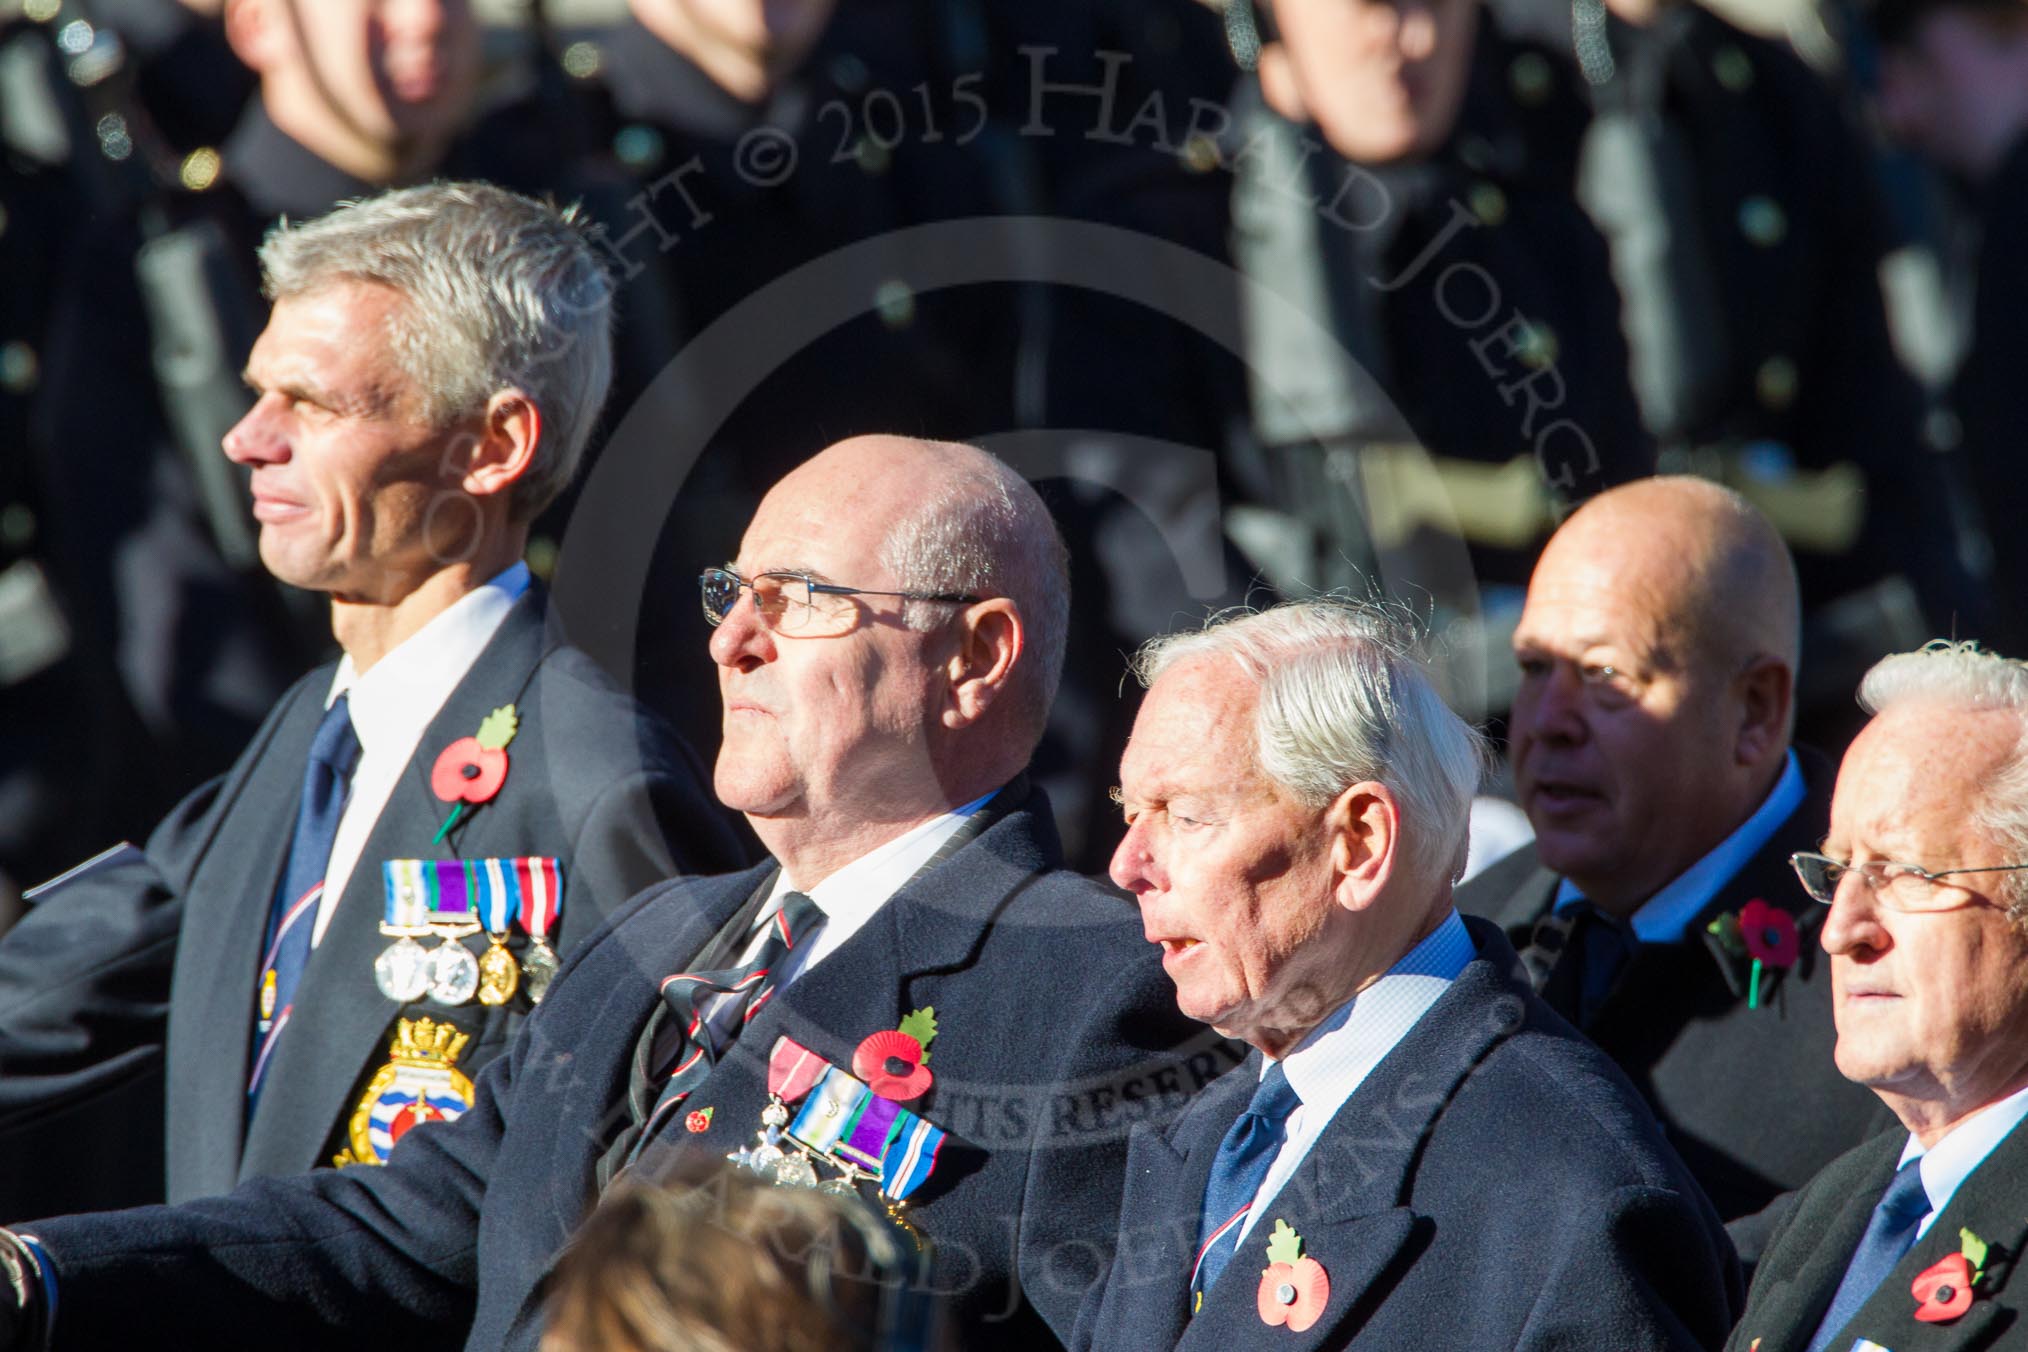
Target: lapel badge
1944,1290
1293,1288
1762,933
471,770
699,1122
895,1062
420,1083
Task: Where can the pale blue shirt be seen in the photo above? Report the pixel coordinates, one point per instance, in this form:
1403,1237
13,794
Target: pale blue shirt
1951,1161
1335,1059
1664,917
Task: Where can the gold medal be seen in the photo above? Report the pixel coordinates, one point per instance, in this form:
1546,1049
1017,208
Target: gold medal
499,974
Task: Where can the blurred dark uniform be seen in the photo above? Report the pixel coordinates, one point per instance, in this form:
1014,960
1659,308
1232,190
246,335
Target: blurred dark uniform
877,131
1388,379
1748,234
1991,393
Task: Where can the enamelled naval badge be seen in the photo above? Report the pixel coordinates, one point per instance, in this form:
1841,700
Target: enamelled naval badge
420,1083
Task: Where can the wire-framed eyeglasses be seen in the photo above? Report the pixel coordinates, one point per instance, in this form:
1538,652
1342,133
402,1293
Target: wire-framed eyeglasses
1899,887
796,605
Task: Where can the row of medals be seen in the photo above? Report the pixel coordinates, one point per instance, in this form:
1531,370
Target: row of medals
785,1162
450,975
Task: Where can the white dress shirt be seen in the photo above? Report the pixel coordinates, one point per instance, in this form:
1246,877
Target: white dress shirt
1951,1161
1335,1059
846,900
392,705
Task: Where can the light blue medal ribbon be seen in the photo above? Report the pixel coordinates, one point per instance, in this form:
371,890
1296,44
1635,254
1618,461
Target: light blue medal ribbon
911,1155
494,895
846,1122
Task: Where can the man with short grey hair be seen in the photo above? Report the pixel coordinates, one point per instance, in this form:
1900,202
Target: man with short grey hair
1419,1151
1910,1240
431,371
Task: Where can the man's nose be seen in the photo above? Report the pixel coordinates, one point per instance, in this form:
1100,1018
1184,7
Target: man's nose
1854,922
1133,865
740,639
257,439
1554,710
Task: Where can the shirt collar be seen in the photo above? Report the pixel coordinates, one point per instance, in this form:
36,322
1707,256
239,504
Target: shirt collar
1336,1057
1964,1148
864,885
1664,917
395,700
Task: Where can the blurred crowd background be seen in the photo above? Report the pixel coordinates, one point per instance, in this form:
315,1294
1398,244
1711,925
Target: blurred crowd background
1259,312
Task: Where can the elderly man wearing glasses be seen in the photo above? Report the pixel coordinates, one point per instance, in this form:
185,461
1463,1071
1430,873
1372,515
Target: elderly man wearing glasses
913,1000
1910,1240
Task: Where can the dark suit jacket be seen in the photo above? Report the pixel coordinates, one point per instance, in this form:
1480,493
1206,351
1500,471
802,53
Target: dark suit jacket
1494,1183
1750,1097
1806,1258
1057,1030
155,962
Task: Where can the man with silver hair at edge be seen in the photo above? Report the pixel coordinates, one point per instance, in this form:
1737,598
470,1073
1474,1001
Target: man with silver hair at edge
1418,1151
1910,1240
433,366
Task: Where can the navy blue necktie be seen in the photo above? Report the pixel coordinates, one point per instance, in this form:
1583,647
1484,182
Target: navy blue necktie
292,918
1241,1166
1889,1235
1576,956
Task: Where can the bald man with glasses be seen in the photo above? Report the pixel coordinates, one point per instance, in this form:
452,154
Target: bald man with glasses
1910,1241
913,999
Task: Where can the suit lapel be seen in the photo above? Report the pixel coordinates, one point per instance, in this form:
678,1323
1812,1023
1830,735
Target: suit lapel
1990,1203
1801,1273
211,1033
347,1021
1346,1199
1161,1205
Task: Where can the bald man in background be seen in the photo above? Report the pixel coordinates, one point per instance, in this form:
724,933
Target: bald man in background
1650,745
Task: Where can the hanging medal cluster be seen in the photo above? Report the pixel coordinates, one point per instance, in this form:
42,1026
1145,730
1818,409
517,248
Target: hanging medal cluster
452,899
829,1129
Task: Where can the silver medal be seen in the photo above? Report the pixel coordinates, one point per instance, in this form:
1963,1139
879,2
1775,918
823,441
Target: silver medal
402,971
795,1171
453,973
538,968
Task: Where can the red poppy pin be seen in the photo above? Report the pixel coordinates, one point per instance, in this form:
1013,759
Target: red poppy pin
1944,1289
1293,1289
895,1062
1763,932
699,1121
472,769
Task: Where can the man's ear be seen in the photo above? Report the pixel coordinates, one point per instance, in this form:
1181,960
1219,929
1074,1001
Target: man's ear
509,432
1278,83
1765,691
991,639
251,30
1363,825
